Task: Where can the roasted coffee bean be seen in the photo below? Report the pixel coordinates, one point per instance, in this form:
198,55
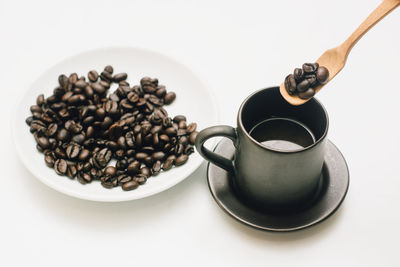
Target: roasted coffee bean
298,74
192,137
179,149
121,164
87,166
171,157
183,140
63,135
123,83
80,178
303,86
155,100
73,151
156,167
29,120
88,120
182,125
290,84
63,81
107,122
309,68
312,80
123,178
93,75
181,132
171,131
140,179
120,77
106,76
51,129
145,171
110,170
133,167
169,98
322,75
115,131
102,157
191,127
60,166
141,155
81,84
109,69
84,154
158,155
307,94
40,100
130,185
179,118
139,140
107,185
133,97
43,142
181,160
36,108
105,84
167,164
60,153
78,138
161,91
188,150
71,171
49,160
98,88
95,174
148,161
156,140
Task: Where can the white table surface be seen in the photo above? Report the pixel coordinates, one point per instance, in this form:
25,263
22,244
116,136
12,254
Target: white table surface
238,47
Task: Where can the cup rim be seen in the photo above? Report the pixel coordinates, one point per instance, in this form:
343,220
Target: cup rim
240,124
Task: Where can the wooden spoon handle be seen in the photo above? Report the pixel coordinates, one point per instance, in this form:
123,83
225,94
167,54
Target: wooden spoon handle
379,13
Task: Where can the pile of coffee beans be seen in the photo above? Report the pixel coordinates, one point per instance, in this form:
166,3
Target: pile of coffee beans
304,81
81,127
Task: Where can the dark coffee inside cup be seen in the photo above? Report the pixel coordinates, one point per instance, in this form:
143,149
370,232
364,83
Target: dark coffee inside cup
280,126
282,134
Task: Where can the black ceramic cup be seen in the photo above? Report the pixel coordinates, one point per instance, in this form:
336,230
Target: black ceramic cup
266,176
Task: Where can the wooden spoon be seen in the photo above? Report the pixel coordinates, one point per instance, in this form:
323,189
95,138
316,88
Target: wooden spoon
335,58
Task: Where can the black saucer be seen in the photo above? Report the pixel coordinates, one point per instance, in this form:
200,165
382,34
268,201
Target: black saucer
335,182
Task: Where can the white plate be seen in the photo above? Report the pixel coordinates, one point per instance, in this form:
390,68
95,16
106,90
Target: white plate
193,100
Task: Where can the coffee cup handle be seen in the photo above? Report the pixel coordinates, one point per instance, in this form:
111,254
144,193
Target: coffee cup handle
204,135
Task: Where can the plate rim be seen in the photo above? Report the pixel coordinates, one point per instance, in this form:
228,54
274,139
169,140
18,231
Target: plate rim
72,193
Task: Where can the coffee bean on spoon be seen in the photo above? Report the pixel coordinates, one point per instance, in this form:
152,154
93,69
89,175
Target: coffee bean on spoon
322,75
303,86
307,94
290,84
310,67
298,74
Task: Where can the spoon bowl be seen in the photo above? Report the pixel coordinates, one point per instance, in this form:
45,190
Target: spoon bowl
334,59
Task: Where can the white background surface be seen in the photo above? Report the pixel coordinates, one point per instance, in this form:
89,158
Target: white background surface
237,47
